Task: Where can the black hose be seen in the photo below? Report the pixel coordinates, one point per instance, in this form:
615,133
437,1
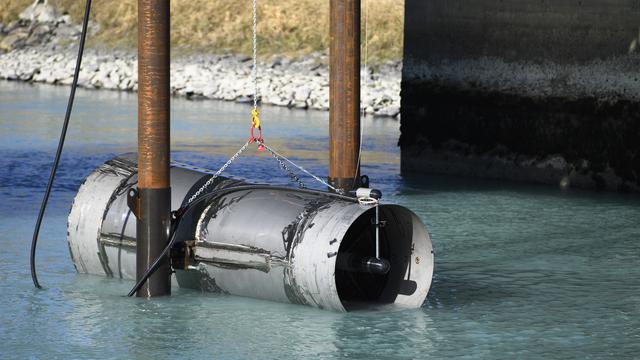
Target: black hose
63,135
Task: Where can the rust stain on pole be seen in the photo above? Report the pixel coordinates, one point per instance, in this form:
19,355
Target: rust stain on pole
154,190
344,93
153,94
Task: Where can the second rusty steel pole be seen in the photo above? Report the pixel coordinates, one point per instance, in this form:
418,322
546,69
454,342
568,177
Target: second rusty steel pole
154,203
344,94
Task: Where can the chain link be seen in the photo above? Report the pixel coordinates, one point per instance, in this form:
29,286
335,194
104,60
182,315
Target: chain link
281,159
339,191
217,173
285,168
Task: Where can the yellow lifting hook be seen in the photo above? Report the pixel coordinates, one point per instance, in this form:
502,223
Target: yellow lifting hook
255,118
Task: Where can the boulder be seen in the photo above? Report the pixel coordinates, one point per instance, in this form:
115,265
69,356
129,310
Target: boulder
66,31
64,19
39,34
39,11
302,94
15,40
392,111
11,26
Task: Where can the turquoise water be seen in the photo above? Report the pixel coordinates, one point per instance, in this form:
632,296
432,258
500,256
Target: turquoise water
521,271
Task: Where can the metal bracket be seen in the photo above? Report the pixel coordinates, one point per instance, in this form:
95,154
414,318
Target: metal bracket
380,224
181,255
236,256
133,202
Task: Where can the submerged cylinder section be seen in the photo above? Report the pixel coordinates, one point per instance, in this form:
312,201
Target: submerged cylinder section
282,244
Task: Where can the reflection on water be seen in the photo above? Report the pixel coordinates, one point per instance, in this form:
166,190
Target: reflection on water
521,271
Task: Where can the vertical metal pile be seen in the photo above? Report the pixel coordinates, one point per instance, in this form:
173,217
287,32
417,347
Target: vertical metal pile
344,94
154,191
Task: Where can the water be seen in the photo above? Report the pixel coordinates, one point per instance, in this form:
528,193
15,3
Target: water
521,271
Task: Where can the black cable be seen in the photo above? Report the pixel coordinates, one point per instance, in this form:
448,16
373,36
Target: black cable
63,134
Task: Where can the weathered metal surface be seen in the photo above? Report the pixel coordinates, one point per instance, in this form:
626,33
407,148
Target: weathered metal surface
153,93
259,241
100,212
153,143
89,210
344,93
236,256
117,240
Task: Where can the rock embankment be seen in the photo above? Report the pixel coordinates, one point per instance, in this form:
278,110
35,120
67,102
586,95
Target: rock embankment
41,47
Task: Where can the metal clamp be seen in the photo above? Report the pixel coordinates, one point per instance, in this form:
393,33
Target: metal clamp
133,202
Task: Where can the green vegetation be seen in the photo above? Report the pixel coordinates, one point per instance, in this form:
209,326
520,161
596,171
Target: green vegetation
286,27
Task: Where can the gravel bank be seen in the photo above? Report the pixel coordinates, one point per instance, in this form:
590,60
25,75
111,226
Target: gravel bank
41,48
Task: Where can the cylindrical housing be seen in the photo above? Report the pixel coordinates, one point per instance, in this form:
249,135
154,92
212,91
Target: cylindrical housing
344,93
260,241
153,142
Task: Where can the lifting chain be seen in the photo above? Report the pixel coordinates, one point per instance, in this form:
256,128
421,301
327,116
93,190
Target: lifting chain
217,173
255,124
285,168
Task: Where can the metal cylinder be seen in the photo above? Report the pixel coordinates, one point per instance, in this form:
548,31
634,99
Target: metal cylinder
153,142
259,241
344,93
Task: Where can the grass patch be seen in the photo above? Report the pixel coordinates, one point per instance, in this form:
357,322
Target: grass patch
291,28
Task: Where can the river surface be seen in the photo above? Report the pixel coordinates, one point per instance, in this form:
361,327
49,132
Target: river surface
521,271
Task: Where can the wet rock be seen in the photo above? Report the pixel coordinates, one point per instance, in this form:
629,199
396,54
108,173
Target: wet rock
281,101
244,99
10,74
66,80
126,84
392,111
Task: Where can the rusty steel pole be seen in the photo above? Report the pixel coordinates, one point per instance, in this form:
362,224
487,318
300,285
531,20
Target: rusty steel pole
344,94
154,192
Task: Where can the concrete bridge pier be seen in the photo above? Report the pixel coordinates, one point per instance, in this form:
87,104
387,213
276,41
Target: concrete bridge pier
537,91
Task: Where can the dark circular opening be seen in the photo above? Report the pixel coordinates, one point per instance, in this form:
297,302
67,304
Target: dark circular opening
358,287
